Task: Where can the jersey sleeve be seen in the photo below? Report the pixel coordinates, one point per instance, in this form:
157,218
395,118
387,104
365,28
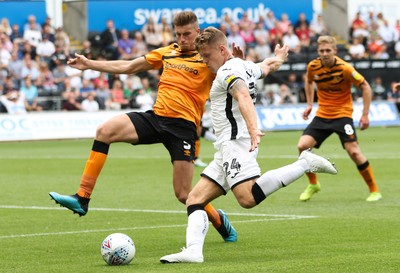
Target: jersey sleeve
154,58
227,77
310,76
258,73
352,75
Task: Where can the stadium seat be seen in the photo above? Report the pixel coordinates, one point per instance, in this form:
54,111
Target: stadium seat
95,39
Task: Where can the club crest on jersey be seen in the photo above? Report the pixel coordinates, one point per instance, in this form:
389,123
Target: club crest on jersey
229,78
356,75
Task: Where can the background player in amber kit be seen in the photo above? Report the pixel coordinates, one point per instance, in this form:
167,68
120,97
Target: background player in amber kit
182,93
334,78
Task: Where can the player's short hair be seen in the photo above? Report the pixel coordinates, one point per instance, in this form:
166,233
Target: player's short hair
210,35
185,18
326,39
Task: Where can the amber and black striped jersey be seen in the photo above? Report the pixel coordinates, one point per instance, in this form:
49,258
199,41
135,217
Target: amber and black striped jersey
185,83
334,87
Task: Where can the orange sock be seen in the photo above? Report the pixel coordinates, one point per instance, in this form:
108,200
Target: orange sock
93,167
213,215
197,148
368,176
312,177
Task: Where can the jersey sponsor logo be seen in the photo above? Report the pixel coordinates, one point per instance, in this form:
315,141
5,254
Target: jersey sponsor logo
356,75
181,67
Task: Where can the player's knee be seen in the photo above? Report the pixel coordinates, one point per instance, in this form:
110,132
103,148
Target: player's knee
302,146
182,197
356,155
102,131
105,133
246,202
194,198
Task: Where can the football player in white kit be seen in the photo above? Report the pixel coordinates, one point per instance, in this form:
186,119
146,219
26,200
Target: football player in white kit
235,166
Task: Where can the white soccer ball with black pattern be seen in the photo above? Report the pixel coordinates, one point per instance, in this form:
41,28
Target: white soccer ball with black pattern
118,249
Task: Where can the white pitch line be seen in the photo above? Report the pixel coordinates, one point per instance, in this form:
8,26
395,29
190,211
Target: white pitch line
154,211
140,228
138,156
274,217
85,231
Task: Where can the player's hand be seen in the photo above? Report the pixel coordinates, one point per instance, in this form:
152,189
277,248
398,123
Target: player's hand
307,112
79,62
396,87
237,51
255,139
364,122
281,52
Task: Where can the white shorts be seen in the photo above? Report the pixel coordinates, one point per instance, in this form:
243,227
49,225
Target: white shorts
233,164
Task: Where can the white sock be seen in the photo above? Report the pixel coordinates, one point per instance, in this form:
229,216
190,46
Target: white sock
273,180
196,231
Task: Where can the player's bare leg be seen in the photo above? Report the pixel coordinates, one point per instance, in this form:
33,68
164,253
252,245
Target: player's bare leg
182,182
203,193
116,129
182,179
365,169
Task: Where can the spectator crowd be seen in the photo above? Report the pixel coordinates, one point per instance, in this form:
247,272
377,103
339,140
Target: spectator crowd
34,75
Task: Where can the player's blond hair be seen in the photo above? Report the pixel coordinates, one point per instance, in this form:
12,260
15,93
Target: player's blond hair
210,35
326,39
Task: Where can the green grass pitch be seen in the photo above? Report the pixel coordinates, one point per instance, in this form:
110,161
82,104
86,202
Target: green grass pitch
336,231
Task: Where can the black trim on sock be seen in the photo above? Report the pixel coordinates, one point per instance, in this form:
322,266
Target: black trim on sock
258,194
193,208
363,166
100,147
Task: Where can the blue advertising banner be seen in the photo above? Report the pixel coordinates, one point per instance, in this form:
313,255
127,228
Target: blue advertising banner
17,12
290,117
132,15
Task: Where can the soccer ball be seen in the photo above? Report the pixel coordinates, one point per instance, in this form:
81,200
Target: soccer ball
118,249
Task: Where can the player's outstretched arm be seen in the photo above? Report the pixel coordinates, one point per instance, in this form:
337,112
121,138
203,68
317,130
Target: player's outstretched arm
113,67
271,64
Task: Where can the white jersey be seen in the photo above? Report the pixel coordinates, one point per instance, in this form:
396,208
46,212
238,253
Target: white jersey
226,117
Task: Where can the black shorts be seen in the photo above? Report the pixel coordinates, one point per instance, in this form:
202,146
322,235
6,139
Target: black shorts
321,128
177,135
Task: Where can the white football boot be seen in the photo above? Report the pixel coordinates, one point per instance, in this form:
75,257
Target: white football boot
185,256
316,163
